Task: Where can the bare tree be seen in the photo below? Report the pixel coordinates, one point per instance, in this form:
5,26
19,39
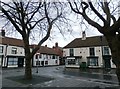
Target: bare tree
110,26
26,17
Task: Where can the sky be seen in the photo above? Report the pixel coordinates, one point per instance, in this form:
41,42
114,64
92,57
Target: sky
67,38
76,33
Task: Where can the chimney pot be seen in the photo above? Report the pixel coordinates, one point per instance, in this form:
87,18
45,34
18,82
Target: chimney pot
3,33
56,44
45,45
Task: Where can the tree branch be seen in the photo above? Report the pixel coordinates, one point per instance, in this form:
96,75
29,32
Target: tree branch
33,13
43,40
96,12
91,22
11,20
116,26
73,9
107,12
36,22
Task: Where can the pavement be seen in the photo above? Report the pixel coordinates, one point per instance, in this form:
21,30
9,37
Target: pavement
59,77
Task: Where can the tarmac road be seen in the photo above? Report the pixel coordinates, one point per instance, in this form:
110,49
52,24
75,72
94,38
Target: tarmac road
62,77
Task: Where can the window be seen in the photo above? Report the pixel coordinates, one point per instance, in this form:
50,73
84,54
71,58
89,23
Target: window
106,51
92,62
37,56
12,61
14,50
37,63
71,52
50,56
53,57
71,62
46,62
1,49
40,56
92,52
56,61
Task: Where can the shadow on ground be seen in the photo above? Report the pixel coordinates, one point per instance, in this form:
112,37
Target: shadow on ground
35,80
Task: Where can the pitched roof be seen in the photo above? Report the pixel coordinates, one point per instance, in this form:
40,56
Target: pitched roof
45,50
11,41
89,42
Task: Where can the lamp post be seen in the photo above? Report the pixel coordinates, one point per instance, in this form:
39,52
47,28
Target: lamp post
37,66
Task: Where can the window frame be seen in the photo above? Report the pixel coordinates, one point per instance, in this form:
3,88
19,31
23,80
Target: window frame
12,62
106,52
1,49
71,52
92,51
93,62
14,50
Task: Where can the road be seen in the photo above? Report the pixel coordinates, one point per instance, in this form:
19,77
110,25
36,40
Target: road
62,77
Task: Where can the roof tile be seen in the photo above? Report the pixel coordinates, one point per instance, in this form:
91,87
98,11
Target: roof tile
89,42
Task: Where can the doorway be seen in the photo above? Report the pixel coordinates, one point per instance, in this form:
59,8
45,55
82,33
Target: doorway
42,63
20,62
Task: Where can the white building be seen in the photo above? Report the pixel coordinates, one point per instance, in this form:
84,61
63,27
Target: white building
91,52
11,52
46,56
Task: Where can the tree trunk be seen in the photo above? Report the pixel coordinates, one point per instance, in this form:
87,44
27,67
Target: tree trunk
28,70
28,57
114,44
118,73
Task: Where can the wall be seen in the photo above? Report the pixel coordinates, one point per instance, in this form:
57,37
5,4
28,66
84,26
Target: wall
43,58
84,52
7,49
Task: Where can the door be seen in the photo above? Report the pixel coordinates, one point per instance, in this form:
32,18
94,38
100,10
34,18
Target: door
42,63
20,62
107,63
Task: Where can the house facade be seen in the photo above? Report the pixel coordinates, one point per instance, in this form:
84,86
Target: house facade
11,52
45,56
92,52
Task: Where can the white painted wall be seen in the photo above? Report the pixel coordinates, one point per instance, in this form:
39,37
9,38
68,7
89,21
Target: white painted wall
49,59
84,52
20,51
7,51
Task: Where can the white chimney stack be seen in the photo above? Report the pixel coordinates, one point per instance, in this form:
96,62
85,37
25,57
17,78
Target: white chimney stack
83,35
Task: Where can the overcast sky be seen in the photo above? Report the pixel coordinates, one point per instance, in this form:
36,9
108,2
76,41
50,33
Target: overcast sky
77,33
68,37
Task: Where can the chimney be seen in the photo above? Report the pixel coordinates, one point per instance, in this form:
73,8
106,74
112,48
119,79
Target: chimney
3,33
83,35
45,45
53,47
56,44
